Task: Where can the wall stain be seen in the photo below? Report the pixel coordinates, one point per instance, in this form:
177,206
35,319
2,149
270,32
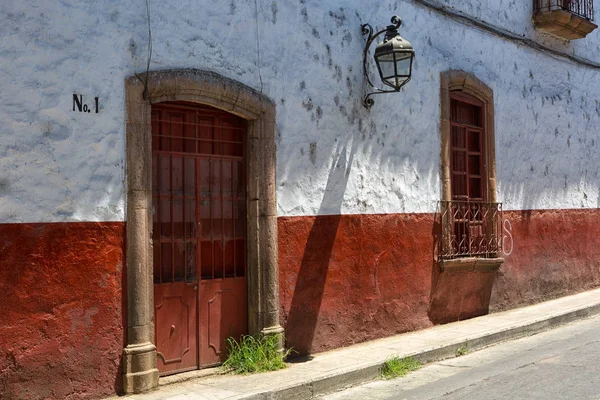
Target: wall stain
313,153
304,14
274,12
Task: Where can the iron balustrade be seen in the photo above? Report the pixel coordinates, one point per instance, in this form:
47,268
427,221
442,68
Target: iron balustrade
582,8
470,229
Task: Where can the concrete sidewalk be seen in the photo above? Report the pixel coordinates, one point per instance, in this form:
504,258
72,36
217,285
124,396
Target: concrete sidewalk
334,370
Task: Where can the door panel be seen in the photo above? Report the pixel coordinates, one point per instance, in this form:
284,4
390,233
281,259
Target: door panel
222,305
175,324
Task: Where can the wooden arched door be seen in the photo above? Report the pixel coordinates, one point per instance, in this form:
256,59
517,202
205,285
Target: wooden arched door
199,233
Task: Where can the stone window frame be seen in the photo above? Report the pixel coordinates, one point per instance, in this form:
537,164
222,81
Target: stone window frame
465,82
208,88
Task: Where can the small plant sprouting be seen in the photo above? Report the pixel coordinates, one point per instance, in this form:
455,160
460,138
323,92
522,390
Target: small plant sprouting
255,354
463,350
396,367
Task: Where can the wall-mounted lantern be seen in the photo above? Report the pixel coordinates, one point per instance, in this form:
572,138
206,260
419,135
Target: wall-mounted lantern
394,58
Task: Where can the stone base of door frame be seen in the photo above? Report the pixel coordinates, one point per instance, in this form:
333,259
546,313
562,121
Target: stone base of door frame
276,331
139,368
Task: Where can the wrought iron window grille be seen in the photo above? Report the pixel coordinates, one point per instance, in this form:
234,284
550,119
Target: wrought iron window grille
470,229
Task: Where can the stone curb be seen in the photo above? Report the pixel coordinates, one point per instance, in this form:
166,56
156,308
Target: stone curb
364,373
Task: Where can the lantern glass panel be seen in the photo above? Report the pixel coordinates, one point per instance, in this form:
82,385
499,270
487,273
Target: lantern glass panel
386,65
403,61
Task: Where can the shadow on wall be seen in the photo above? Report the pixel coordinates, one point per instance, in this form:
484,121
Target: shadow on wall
456,295
312,276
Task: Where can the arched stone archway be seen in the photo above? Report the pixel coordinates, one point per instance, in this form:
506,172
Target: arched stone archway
139,354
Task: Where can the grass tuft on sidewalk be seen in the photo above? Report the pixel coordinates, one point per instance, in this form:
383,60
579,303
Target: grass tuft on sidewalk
396,367
254,354
463,350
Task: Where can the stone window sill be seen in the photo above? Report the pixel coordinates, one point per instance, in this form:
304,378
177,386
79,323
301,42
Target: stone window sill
471,264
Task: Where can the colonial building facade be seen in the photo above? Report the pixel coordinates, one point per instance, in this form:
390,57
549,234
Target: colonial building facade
176,174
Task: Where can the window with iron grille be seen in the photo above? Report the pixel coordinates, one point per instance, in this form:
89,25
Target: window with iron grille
470,215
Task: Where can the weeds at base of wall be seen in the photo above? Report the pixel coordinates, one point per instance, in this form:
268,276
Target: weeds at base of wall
253,354
396,367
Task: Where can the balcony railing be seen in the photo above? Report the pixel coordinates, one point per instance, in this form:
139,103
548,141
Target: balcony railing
582,8
470,229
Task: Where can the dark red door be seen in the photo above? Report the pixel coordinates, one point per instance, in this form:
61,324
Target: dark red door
199,233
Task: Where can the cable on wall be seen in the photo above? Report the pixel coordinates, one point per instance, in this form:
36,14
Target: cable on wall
258,46
145,81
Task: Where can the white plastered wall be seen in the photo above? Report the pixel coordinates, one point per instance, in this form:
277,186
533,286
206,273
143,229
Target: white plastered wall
334,156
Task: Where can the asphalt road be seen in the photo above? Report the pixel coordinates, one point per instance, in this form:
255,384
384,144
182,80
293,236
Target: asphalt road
560,364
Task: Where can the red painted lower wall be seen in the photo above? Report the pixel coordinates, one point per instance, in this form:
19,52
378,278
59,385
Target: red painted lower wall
61,308
555,253
347,279
343,279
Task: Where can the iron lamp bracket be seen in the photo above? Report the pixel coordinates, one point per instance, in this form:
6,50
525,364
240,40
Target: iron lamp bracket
367,30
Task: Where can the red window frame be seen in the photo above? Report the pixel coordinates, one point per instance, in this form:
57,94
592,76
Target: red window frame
468,156
468,172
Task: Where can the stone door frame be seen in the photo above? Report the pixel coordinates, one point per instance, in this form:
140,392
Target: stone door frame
204,87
